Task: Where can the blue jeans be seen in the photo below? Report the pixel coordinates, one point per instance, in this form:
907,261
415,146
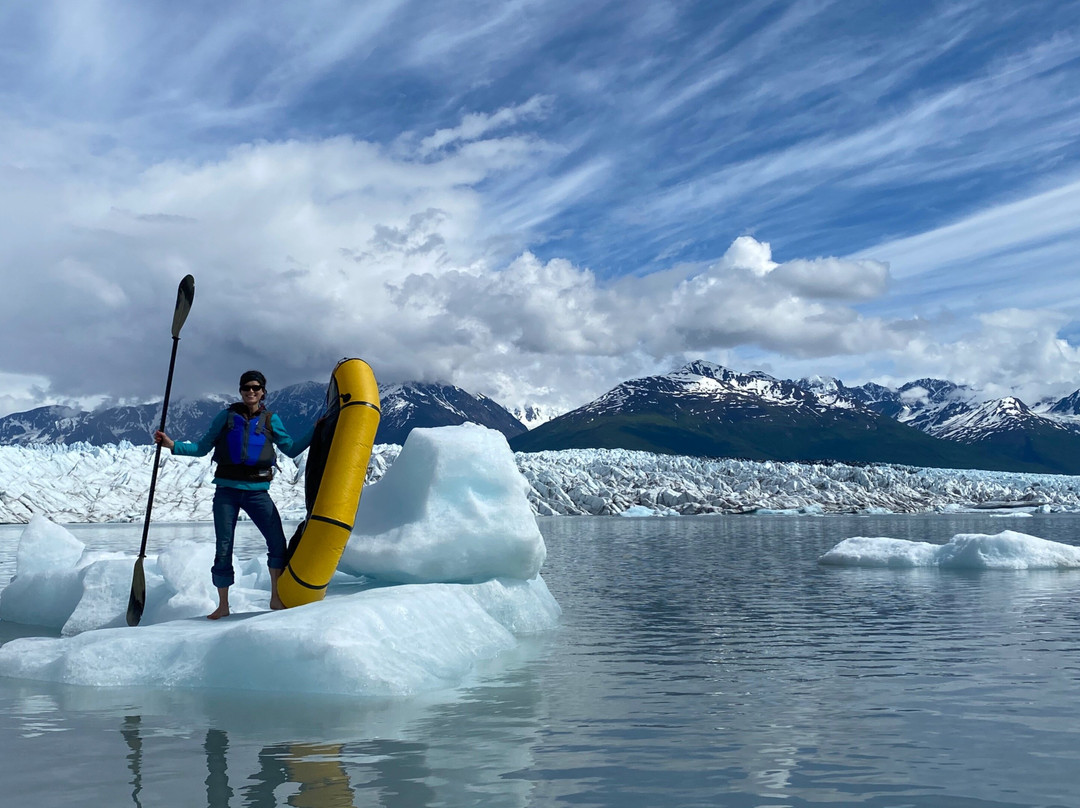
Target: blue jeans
228,502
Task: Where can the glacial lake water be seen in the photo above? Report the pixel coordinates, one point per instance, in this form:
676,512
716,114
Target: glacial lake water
700,661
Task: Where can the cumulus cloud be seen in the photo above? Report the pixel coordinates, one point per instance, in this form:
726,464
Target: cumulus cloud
305,251
553,307
836,279
1004,352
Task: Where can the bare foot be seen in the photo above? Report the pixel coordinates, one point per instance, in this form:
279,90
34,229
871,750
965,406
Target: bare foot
276,604
218,613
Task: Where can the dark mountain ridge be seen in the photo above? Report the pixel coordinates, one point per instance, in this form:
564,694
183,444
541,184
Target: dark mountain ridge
403,406
704,409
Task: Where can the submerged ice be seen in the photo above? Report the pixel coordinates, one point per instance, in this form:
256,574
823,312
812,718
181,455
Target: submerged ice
1007,550
476,590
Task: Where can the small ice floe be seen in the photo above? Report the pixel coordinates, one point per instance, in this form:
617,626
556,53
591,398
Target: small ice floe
1007,550
638,511
804,510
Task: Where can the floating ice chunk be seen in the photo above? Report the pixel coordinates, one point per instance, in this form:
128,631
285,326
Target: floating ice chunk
452,508
638,510
390,641
47,547
864,551
1007,550
53,573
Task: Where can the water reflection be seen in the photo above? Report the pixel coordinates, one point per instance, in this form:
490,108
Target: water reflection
177,748
306,775
217,769
133,739
699,662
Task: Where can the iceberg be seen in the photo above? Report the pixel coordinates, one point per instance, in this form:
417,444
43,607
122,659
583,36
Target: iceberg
367,638
1007,550
485,527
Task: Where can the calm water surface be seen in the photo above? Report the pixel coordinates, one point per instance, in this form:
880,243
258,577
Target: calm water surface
704,661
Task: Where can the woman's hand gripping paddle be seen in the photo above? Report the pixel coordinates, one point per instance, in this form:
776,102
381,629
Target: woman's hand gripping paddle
184,295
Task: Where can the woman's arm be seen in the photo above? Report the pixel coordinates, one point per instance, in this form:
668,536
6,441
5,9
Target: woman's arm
284,441
205,443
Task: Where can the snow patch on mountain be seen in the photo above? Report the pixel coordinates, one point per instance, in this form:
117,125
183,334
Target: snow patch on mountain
993,417
532,415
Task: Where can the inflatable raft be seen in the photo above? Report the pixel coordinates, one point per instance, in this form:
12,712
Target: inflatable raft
336,467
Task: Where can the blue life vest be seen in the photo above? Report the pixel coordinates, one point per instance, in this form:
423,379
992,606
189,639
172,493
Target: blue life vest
245,449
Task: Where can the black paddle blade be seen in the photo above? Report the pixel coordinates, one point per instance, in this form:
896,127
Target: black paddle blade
184,297
138,594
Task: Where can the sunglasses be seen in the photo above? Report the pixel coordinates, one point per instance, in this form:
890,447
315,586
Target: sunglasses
251,388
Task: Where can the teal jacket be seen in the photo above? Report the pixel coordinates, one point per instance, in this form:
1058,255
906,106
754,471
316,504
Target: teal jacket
206,443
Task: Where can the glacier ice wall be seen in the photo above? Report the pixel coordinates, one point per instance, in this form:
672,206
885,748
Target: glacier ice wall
83,483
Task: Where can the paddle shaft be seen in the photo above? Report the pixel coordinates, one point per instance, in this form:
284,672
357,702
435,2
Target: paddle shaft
157,453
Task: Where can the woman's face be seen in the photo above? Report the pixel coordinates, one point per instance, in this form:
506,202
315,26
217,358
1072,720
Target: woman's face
251,393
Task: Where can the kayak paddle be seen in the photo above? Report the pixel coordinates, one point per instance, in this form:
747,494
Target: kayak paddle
184,295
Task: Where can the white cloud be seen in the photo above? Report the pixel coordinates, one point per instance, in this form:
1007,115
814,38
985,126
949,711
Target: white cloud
1005,352
833,278
476,125
307,251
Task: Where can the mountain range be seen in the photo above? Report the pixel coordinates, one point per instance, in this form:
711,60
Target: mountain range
701,409
403,407
705,409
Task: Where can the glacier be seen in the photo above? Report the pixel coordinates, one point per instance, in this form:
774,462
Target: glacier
84,483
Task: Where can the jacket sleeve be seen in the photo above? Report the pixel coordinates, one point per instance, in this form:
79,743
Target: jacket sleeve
284,441
188,448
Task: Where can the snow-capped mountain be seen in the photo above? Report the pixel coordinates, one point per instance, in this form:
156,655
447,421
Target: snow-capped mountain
404,406
997,417
923,403
39,425
532,415
929,403
830,390
133,423
703,409
702,385
1068,406
418,404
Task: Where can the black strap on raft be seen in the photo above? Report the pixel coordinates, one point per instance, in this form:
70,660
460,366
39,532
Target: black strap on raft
327,520
304,583
318,455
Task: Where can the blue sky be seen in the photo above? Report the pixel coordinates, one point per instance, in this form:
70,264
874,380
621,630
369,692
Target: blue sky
536,200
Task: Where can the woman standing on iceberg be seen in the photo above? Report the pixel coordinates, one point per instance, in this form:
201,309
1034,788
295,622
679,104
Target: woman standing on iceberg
243,439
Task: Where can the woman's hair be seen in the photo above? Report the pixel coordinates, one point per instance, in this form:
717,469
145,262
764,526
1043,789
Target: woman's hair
252,376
